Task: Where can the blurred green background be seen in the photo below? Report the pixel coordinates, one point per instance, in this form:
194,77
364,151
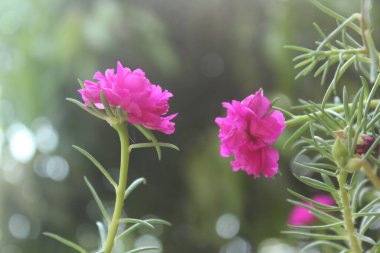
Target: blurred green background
205,52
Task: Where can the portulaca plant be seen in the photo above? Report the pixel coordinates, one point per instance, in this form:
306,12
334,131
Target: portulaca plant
123,98
341,133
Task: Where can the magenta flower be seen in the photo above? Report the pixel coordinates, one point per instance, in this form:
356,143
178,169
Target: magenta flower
144,102
248,132
300,216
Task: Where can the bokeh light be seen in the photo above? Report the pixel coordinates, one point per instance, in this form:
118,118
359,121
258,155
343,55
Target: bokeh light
22,145
46,136
227,226
237,245
19,226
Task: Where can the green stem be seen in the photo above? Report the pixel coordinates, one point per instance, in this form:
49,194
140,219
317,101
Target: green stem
122,130
363,24
350,52
371,174
352,238
298,120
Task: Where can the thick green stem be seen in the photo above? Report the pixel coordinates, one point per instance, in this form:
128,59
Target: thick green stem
298,120
122,130
352,238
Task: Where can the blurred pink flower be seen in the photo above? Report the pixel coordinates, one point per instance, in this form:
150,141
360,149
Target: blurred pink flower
144,102
248,132
300,216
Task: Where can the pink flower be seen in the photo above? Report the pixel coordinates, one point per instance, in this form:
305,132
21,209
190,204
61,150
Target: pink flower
248,132
144,102
300,216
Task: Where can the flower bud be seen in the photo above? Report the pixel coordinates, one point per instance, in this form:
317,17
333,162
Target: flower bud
353,164
363,144
340,153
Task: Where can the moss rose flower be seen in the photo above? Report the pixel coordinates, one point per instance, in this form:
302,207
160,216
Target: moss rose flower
144,102
248,132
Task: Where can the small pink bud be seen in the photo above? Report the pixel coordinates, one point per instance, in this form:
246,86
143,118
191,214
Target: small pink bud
364,143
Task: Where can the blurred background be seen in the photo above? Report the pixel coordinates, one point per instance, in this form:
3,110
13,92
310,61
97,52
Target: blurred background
205,52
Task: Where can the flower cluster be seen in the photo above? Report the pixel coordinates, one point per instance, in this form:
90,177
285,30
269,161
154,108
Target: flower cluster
144,102
248,132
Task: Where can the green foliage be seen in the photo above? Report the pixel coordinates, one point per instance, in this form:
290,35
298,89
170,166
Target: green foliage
351,120
335,131
136,223
340,48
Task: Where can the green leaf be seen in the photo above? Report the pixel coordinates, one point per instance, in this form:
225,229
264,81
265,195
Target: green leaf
326,218
142,249
149,135
322,68
324,166
323,243
98,201
315,236
337,30
327,180
97,164
315,203
374,55
296,134
370,98
330,62
356,194
365,87
341,69
306,70
347,112
356,215
136,221
81,84
315,184
66,242
121,114
303,63
107,107
286,112
136,226
367,207
334,15
317,146
133,186
373,121
356,99
76,102
298,48
321,227
366,223
319,30
317,170
102,233
375,248
152,145
366,239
